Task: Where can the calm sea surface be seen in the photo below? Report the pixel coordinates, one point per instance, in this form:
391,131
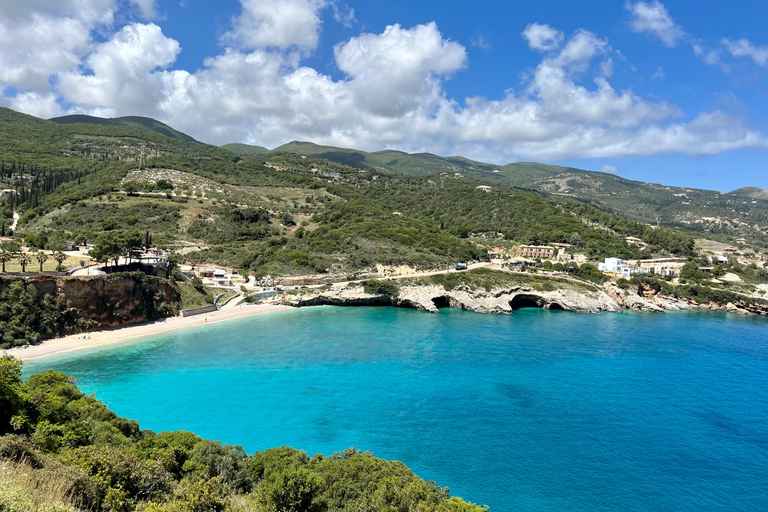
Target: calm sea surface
539,411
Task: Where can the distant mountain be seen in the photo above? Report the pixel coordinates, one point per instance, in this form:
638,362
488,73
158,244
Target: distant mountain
143,122
743,212
245,149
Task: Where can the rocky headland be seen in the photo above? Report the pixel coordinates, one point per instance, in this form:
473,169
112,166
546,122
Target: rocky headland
505,299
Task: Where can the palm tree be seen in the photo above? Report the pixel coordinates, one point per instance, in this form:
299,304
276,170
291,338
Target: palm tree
24,260
59,257
41,258
5,257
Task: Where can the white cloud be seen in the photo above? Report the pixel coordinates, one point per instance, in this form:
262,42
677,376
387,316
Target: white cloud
744,48
542,37
396,71
123,70
36,104
148,8
610,169
481,42
392,93
653,18
343,13
277,24
659,74
39,38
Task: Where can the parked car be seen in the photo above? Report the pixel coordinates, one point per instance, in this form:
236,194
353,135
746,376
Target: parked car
461,266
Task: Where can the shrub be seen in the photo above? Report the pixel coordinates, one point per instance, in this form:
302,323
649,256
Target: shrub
376,287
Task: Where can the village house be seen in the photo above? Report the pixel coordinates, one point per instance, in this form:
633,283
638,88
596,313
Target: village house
663,267
615,267
484,188
741,240
7,192
537,251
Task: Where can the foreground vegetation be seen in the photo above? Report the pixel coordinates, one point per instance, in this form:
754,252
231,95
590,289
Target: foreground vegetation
64,451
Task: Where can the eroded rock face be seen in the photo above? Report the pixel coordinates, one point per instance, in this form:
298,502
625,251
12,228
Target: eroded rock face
431,297
644,298
109,301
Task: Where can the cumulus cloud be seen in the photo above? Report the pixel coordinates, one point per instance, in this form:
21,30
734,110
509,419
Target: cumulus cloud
122,70
653,18
392,92
610,169
36,104
542,37
39,38
277,24
745,48
398,70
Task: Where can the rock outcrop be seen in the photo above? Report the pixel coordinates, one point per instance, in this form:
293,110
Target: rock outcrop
643,298
431,297
107,300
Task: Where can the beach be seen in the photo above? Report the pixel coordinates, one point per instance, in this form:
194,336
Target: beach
133,332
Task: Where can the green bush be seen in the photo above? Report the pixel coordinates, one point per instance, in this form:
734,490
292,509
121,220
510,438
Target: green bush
376,287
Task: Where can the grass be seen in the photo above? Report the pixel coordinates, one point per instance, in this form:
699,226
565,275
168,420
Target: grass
48,266
191,297
24,489
489,279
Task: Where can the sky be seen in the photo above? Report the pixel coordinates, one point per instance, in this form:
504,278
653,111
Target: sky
671,93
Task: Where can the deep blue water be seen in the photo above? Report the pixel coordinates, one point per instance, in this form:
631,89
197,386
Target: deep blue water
538,411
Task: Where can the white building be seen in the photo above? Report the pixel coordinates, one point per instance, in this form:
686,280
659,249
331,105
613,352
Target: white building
618,267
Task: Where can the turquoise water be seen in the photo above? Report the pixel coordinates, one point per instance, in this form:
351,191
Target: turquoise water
539,411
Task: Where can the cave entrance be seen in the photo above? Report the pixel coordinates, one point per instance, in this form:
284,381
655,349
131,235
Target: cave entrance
526,301
554,306
441,302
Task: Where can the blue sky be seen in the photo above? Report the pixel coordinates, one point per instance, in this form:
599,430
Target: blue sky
671,92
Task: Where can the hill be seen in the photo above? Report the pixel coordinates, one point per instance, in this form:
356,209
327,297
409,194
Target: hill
708,212
281,213
143,122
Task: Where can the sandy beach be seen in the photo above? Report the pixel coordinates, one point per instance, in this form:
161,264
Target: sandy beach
138,331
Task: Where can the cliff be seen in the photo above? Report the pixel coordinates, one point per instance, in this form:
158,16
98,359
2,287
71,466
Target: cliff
105,301
479,296
430,297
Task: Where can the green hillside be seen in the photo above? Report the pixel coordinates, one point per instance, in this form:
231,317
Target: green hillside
281,213
143,122
742,213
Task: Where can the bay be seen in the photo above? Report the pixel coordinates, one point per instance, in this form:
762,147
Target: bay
537,411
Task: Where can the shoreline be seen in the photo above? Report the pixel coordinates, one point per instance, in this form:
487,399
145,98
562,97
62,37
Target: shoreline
115,335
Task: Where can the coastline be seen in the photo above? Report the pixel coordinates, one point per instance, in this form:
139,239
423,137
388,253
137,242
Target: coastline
125,334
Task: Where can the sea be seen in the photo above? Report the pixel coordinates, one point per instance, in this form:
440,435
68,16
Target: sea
536,411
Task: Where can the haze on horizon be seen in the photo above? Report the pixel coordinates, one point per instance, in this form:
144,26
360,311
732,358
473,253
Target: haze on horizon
662,93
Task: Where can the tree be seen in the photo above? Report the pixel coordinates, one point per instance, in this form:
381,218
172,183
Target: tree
24,260
5,257
108,246
133,241
11,395
41,258
60,257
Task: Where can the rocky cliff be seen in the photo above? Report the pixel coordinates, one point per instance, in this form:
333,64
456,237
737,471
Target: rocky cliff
107,301
575,297
501,300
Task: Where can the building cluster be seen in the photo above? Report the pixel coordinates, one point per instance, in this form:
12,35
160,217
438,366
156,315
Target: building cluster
219,276
618,268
